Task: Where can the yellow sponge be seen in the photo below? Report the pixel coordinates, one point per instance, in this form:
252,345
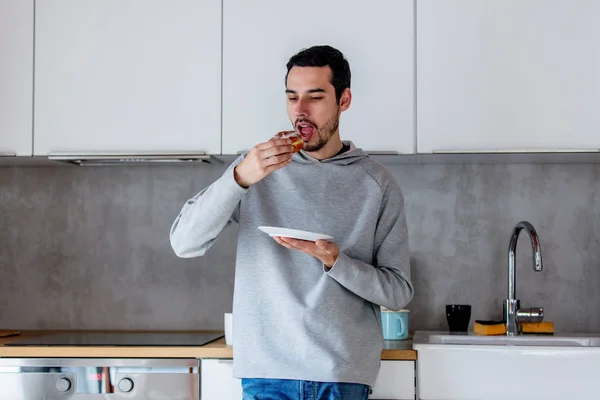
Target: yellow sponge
489,327
499,327
541,327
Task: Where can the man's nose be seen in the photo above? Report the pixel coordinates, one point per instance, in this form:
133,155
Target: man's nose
301,109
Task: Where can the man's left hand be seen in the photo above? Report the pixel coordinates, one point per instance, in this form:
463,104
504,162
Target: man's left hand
325,251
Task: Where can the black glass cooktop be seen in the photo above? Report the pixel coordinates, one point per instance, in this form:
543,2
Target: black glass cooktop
119,339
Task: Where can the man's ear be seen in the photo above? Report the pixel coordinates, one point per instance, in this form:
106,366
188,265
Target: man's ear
345,99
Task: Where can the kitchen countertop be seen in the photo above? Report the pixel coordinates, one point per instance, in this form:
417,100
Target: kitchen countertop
393,350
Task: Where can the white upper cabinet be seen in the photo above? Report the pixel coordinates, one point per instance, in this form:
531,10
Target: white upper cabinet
508,75
16,77
378,40
129,76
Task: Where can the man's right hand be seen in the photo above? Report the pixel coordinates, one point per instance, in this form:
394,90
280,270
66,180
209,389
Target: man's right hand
263,159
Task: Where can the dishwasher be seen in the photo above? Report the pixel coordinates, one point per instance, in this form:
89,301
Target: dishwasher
99,379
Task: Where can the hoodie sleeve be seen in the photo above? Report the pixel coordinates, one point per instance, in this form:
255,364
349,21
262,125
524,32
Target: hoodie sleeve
205,215
387,282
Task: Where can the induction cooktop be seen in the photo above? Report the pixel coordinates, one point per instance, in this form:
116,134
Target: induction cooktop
118,339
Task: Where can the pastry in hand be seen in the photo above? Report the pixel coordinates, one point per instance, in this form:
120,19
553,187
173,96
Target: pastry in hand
297,141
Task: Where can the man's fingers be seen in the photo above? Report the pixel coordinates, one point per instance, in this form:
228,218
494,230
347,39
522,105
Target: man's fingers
277,159
325,245
277,150
273,143
326,252
303,245
279,240
293,243
275,167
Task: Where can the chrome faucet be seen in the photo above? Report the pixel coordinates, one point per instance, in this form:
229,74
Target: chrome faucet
513,313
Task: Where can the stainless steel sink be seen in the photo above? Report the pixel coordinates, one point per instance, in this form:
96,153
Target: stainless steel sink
534,340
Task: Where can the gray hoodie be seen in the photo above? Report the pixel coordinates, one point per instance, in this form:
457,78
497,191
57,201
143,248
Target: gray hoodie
293,319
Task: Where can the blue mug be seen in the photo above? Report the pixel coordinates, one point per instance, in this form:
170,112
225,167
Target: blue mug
394,324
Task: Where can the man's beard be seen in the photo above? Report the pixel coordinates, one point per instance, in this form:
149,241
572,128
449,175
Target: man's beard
322,134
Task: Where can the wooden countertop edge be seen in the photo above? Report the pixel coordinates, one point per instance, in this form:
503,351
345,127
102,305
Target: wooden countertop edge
215,349
116,352
399,355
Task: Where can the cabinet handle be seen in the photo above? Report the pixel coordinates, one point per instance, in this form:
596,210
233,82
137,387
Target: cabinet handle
369,152
382,153
120,159
492,151
8,154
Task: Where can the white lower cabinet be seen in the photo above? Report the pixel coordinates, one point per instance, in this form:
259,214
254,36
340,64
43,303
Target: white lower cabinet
217,381
396,380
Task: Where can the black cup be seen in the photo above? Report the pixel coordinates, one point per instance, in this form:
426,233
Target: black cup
458,317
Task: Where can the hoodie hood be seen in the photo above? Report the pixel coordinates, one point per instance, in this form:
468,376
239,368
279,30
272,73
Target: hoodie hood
353,155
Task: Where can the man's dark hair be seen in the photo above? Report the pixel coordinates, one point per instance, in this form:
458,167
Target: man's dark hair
322,56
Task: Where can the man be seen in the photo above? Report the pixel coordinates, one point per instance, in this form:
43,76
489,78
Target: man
307,314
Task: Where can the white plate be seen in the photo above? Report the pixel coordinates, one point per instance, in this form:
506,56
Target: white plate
294,233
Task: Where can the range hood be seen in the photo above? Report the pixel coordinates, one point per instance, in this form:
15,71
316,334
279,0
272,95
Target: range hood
132,159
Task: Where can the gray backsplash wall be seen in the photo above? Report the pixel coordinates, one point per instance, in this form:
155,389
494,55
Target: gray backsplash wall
88,248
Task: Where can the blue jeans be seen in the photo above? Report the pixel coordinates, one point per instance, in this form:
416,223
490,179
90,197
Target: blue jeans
284,389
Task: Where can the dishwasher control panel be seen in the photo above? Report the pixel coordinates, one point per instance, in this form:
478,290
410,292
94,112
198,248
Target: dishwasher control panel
115,379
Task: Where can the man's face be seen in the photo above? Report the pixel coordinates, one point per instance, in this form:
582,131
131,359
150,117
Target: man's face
312,106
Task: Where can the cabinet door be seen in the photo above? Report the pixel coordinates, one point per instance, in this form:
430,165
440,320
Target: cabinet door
16,77
218,382
260,36
508,75
130,76
396,380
